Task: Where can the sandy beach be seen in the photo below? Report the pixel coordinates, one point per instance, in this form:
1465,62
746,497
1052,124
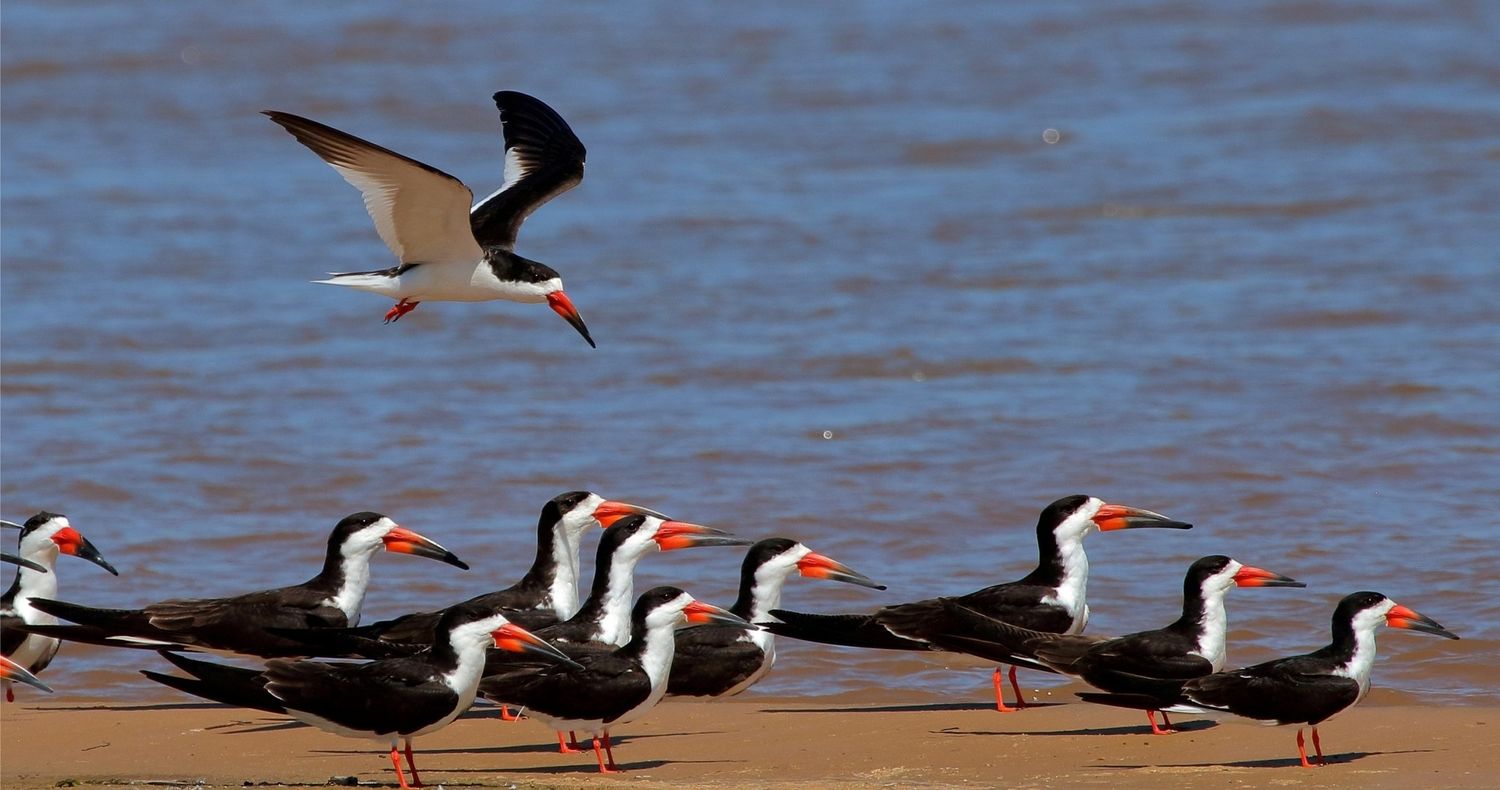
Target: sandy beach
853,741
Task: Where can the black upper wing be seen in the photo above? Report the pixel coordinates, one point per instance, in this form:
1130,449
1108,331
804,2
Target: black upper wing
1287,691
543,159
712,659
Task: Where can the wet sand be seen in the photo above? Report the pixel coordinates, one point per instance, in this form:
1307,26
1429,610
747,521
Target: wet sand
851,741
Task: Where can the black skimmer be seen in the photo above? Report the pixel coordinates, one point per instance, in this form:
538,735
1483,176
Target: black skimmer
43,537
1155,662
724,660
240,624
546,595
393,699
1050,599
1304,690
447,250
603,623
613,688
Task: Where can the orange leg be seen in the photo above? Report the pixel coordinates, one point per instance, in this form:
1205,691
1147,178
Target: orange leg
1155,730
609,749
10,693
999,695
416,780
396,761
1302,749
564,748
401,308
505,714
1318,747
612,768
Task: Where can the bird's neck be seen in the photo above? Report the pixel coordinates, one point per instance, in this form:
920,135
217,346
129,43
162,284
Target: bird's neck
608,604
1206,616
1065,567
653,648
760,592
563,585
30,584
346,578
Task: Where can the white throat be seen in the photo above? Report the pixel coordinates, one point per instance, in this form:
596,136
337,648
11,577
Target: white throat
564,589
1213,625
614,625
1072,590
1363,660
656,660
351,594
36,584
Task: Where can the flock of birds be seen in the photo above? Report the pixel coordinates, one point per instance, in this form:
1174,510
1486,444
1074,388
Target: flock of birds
607,660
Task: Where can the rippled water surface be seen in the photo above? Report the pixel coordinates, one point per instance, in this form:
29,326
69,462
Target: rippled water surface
844,290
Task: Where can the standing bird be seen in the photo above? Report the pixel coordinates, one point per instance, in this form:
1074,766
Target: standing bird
10,670
1051,598
1155,662
240,624
724,660
394,699
1303,690
447,250
43,537
612,688
603,622
547,594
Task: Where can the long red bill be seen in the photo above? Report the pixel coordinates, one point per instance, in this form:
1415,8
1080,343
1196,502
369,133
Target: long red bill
70,541
513,638
1403,617
610,511
1112,517
699,612
673,535
563,306
404,541
817,566
1260,577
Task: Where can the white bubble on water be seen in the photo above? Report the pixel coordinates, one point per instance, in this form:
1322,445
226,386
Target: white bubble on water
1051,136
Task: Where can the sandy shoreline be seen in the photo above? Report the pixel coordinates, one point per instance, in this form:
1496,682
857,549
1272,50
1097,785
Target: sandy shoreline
756,741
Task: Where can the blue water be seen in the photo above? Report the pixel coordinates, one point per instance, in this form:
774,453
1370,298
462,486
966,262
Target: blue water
844,290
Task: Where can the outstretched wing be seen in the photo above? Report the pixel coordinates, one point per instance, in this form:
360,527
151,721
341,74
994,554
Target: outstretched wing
420,212
543,159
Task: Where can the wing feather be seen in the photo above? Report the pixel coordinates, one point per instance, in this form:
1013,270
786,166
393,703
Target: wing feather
543,159
420,212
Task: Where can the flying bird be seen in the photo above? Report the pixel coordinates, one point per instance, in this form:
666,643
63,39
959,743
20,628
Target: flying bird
447,249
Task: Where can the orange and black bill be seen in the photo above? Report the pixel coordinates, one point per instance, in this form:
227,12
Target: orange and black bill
1112,517
610,511
69,541
563,306
817,566
403,541
1260,577
1403,617
699,613
513,638
672,535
